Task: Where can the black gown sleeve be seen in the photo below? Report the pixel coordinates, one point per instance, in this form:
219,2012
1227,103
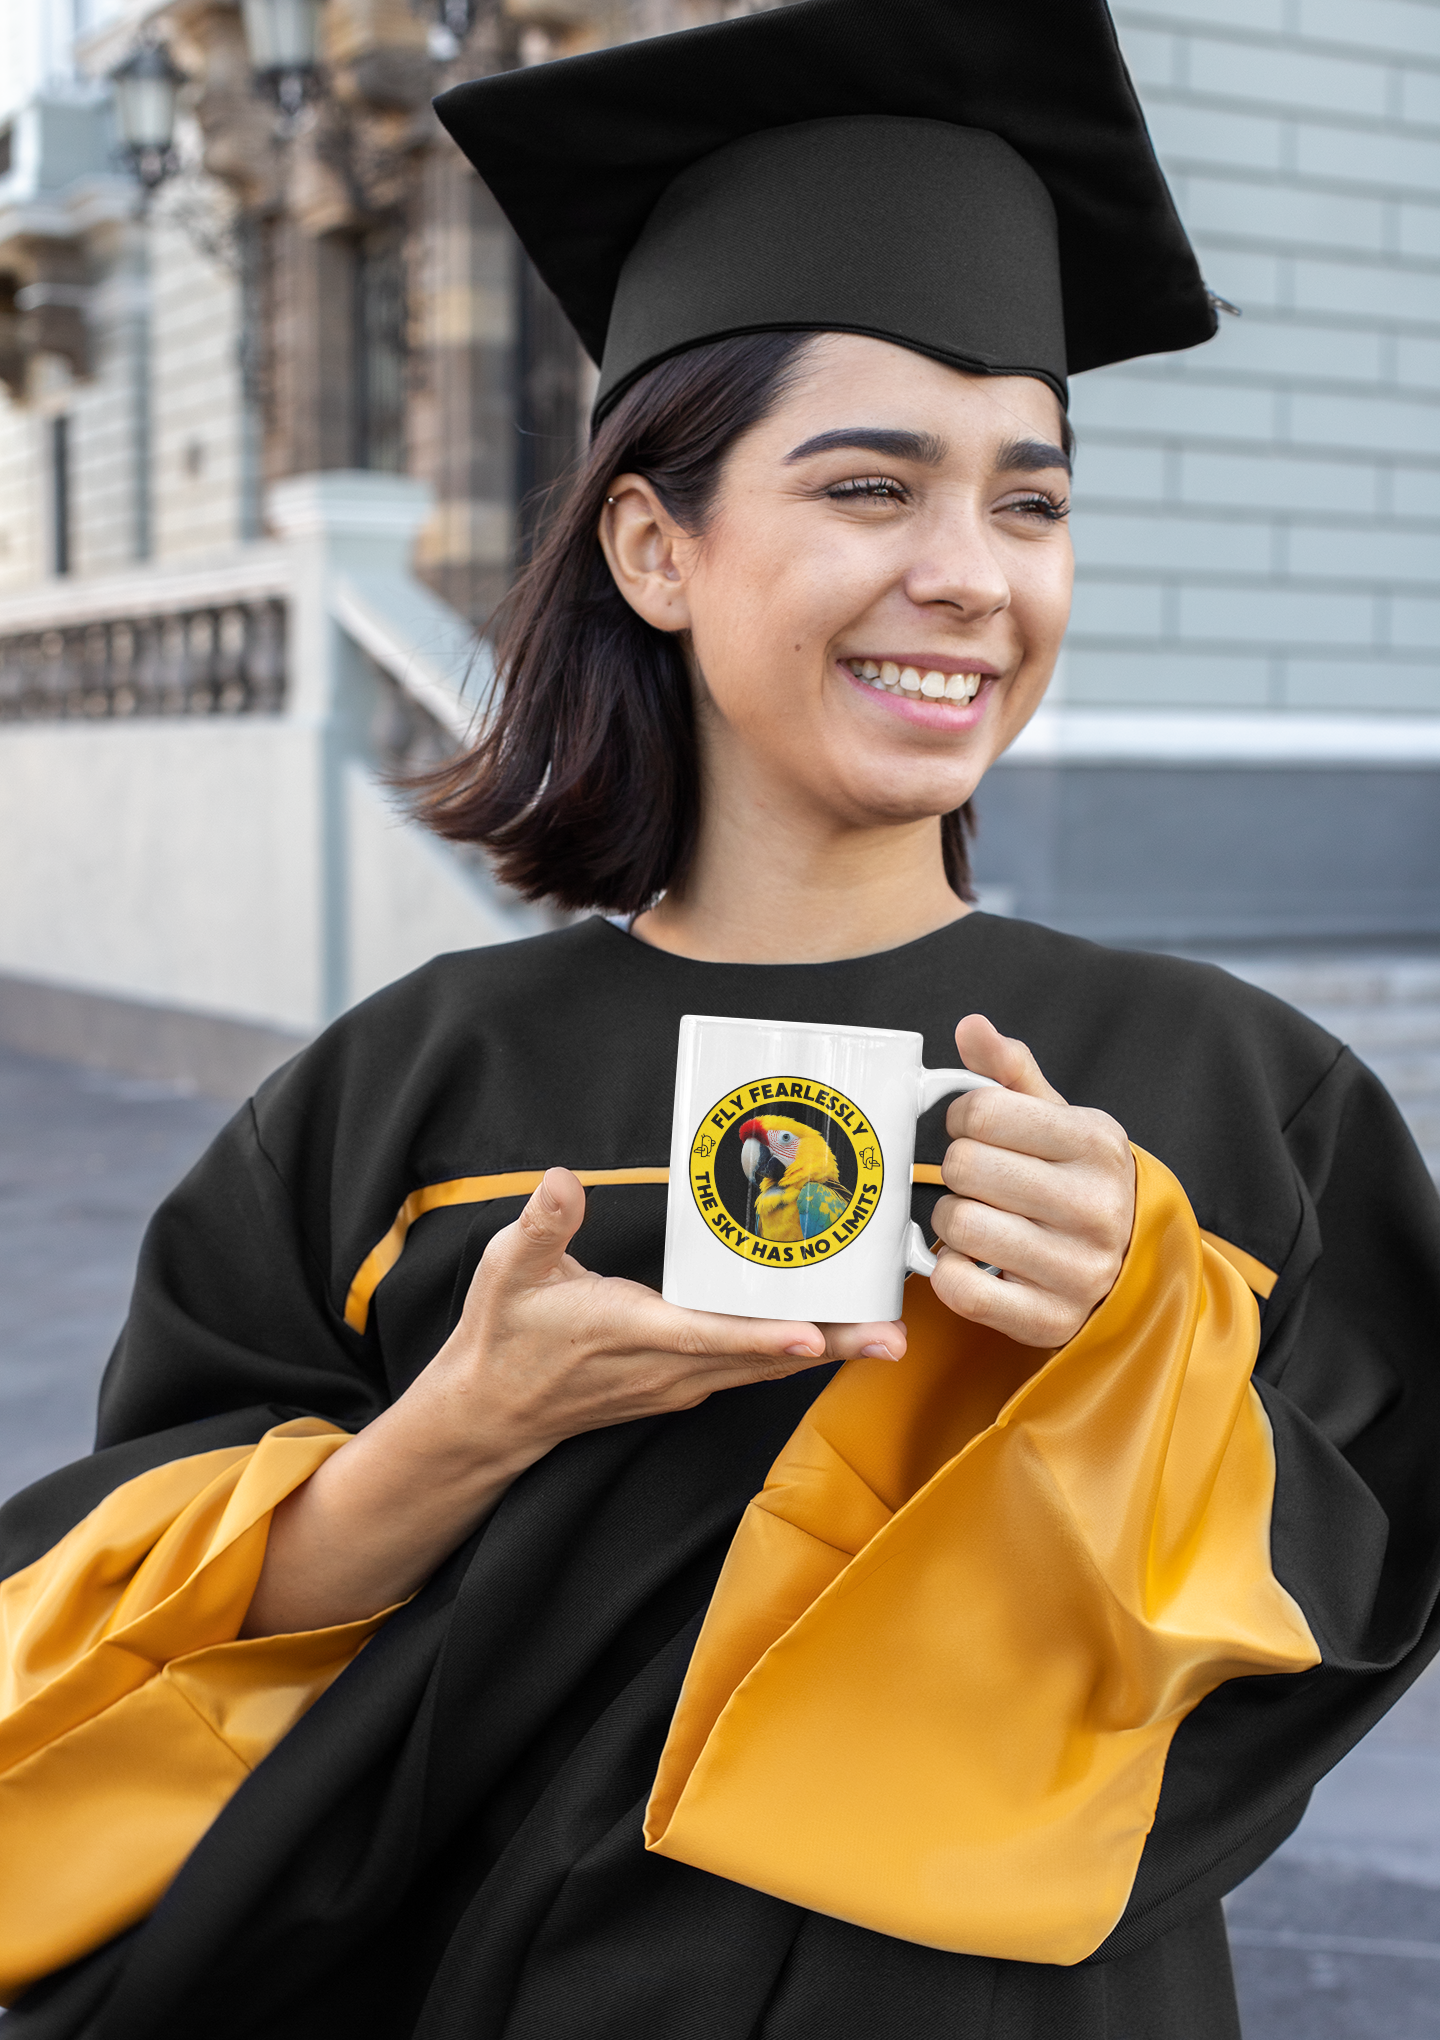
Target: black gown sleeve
1349,1373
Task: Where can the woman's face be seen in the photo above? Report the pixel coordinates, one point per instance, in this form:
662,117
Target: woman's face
877,604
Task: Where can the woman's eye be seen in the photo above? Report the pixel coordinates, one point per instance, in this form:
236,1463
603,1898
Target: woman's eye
867,489
1053,509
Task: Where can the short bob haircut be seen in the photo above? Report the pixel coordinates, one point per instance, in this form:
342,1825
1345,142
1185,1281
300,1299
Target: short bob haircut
584,782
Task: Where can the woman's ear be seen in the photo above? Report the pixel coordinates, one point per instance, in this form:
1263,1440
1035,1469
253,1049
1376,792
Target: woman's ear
647,553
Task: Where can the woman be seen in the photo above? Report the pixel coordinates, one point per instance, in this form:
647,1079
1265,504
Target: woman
343,1679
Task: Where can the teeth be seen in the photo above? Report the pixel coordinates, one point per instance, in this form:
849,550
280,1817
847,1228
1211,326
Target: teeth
934,685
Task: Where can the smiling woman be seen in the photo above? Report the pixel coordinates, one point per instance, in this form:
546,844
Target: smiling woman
935,588
464,1642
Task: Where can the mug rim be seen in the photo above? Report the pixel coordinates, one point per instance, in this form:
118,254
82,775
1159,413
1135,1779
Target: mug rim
809,1027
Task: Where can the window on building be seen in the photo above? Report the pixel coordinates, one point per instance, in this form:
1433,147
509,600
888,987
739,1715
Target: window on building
14,356
380,350
60,494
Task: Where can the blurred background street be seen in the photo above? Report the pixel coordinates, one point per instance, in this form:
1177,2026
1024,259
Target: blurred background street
85,1156
280,401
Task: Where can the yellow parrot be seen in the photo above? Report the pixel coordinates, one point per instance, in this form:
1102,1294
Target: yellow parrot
794,1177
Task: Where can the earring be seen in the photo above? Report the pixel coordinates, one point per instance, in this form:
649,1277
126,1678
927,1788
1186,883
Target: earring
609,499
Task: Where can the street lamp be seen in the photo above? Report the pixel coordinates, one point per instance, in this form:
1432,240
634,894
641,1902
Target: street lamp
283,38
146,88
453,20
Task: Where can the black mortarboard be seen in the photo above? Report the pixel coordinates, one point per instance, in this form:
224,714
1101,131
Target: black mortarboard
970,178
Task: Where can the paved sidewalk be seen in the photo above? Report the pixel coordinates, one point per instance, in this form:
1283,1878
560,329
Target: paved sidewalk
84,1158
1337,1938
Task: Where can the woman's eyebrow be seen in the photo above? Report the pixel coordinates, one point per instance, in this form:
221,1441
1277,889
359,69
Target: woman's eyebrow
894,445
1030,456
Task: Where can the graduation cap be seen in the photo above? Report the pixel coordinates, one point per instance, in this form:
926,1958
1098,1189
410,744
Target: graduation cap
970,178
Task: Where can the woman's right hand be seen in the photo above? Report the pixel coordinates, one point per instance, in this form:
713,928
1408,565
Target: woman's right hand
544,1350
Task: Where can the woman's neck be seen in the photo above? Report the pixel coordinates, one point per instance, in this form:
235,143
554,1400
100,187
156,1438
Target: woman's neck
769,889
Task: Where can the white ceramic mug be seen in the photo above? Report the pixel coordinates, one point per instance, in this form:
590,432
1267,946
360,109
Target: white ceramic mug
790,1164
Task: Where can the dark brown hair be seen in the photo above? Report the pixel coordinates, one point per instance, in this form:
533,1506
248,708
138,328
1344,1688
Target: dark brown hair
584,783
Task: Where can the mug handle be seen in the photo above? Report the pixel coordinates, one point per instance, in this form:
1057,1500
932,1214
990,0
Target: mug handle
935,1085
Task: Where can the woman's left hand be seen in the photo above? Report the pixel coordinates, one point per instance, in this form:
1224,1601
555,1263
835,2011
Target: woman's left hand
1041,1189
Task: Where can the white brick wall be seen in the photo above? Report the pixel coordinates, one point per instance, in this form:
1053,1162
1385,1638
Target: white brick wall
102,426
1257,523
196,455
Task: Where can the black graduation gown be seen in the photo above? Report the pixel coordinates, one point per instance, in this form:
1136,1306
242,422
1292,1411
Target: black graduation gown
449,1843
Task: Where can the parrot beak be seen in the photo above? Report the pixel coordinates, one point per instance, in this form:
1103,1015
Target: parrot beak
757,1158
755,1148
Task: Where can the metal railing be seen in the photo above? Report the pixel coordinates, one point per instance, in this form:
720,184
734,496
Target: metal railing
224,658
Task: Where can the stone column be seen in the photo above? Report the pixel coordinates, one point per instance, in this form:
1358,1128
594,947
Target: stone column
352,524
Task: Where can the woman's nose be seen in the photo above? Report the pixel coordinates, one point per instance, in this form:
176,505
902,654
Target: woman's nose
960,568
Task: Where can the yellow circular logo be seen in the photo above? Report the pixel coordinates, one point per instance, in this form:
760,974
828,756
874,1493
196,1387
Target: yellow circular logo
786,1172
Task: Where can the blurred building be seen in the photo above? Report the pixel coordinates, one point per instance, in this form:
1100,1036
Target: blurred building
330,290
1245,742
272,443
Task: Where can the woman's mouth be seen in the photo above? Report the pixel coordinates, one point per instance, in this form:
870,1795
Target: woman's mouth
919,683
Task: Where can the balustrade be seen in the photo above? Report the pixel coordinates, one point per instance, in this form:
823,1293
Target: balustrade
222,659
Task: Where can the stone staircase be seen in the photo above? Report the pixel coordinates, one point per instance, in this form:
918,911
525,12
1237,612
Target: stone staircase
1386,1007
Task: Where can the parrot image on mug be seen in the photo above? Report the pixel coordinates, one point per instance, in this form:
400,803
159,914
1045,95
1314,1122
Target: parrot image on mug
795,1187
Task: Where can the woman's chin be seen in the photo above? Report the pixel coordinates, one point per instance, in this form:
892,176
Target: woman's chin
904,800
886,775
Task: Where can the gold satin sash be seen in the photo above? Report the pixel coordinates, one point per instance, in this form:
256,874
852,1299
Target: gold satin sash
130,1709
981,1589
462,1190
934,1692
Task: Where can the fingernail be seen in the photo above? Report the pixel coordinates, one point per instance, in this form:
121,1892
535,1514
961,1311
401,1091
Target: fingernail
805,1352
876,1353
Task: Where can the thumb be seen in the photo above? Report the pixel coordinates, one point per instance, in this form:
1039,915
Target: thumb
535,1245
984,1049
